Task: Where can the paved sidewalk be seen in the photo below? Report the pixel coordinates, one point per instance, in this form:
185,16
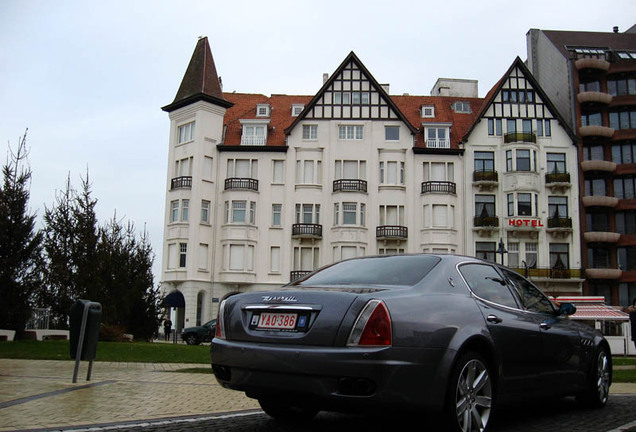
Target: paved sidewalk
40,393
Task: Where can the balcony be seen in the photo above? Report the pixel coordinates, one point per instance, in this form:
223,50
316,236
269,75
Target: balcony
520,137
549,273
599,201
443,187
307,230
594,98
559,226
603,273
251,140
558,181
298,274
486,221
592,63
241,184
596,131
183,182
598,165
438,143
485,180
349,185
601,237
391,232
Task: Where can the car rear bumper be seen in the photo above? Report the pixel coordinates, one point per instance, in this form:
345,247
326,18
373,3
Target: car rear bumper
341,378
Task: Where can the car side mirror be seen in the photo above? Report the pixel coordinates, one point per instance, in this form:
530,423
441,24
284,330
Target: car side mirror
567,309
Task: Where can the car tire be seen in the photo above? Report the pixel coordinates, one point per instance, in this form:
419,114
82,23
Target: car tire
599,381
471,394
286,412
192,340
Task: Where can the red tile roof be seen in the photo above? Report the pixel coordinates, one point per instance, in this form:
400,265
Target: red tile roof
281,116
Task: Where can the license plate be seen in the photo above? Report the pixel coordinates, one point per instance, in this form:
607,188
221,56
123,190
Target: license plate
277,320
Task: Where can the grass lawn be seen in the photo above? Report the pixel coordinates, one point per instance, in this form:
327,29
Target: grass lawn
171,353
109,351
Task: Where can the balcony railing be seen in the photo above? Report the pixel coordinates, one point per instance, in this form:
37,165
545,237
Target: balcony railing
486,221
552,273
520,137
557,178
560,222
391,232
444,187
297,274
306,230
183,182
241,183
253,140
438,143
349,185
488,176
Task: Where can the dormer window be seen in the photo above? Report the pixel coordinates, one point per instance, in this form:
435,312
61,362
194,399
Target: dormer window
254,132
437,135
262,110
296,109
428,111
462,107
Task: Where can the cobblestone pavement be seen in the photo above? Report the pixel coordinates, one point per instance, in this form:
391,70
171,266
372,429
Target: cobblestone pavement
557,416
40,395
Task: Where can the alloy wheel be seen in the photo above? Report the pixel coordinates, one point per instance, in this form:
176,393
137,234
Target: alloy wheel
473,396
602,376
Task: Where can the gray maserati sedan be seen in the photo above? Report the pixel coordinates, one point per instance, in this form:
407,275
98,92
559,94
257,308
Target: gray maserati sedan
445,333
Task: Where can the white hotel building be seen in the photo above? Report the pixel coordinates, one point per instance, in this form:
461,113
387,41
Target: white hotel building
264,189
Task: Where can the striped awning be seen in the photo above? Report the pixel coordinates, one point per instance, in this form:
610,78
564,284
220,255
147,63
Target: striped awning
598,312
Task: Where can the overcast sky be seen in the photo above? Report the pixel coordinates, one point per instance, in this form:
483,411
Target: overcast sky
88,79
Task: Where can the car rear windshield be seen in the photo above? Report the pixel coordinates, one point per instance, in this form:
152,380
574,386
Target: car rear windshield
398,270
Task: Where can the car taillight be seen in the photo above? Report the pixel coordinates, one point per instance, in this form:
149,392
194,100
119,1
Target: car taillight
219,332
373,326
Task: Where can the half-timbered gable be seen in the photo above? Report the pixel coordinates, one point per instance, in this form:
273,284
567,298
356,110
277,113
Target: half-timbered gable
351,93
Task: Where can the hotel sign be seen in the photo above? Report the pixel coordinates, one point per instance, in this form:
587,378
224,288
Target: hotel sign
525,223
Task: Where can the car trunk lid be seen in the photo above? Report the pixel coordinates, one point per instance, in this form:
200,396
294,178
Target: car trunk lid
310,316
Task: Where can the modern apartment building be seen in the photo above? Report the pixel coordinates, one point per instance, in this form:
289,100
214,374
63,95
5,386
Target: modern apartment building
521,194
263,189
591,78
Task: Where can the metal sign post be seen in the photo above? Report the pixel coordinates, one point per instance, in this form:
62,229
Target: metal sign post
91,337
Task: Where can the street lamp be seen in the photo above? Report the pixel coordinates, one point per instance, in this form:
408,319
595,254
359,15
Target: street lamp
501,250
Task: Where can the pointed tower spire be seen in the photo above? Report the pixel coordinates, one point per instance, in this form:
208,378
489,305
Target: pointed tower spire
200,81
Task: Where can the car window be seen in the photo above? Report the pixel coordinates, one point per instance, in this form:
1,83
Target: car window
531,297
405,270
486,283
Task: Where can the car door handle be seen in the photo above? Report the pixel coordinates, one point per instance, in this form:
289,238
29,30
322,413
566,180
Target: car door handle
494,319
545,326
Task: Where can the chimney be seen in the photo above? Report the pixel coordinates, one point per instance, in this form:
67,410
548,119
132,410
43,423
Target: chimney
386,87
325,77
615,29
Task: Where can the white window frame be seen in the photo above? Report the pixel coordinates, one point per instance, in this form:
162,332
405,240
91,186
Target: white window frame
252,168
262,110
341,167
205,212
400,215
386,172
185,133
427,111
437,142
254,132
351,132
296,109
309,171
310,132
236,207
